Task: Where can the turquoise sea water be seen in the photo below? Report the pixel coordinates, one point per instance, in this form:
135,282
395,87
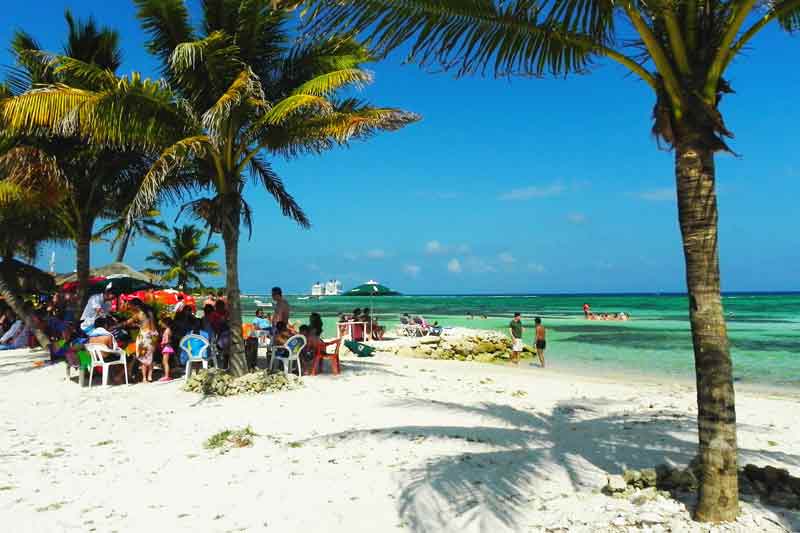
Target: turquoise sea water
764,329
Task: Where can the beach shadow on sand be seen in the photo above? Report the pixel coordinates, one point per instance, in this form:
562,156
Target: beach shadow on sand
489,486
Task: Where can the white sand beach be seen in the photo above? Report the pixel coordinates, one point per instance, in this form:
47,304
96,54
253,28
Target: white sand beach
391,444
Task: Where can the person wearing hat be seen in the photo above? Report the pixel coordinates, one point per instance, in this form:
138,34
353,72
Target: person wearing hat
97,306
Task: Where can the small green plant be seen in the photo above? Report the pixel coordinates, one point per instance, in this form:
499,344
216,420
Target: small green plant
104,443
51,507
230,438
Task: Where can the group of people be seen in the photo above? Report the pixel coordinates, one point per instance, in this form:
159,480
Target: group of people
361,325
154,335
589,315
276,329
516,329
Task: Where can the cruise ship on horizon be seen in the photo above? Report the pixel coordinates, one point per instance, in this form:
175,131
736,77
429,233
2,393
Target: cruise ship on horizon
330,288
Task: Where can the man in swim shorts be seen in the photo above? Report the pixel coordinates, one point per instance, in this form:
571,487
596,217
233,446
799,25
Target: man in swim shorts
516,329
541,343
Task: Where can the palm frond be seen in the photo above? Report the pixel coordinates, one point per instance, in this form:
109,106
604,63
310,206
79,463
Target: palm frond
350,120
789,18
284,109
263,173
174,156
37,172
513,37
168,25
90,44
77,73
245,86
329,83
41,110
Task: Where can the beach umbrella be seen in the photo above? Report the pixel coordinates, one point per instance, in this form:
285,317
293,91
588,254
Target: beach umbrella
122,277
371,288
28,277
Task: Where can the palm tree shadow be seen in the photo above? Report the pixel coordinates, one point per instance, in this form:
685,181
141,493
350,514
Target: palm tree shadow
529,455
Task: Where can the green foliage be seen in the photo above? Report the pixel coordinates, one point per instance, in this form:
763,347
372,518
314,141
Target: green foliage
122,233
231,438
184,258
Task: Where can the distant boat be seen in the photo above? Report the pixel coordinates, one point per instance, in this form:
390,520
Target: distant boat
304,297
259,303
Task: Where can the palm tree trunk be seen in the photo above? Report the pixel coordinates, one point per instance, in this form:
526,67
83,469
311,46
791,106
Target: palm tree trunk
83,249
9,295
230,236
123,246
716,411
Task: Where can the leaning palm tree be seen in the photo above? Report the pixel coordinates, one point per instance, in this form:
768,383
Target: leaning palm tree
124,230
240,91
184,258
27,222
97,181
681,50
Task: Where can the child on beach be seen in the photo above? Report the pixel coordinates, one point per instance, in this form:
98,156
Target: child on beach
516,329
541,343
166,347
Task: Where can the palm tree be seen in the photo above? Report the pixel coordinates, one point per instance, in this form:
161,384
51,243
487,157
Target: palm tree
184,257
27,222
98,181
125,229
681,50
240,90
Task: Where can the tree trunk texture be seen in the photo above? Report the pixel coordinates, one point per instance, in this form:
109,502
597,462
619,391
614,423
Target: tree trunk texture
230,236
716,411
83,251
9,294
123,247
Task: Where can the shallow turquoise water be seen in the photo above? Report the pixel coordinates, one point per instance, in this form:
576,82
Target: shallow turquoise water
764,329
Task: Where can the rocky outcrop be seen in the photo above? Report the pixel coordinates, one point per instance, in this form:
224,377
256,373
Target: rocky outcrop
770,485
483,347
213,382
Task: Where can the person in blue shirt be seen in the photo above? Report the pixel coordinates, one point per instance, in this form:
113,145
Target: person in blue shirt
259,322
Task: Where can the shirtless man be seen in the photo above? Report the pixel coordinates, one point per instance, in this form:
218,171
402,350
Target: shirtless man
541,343
281,313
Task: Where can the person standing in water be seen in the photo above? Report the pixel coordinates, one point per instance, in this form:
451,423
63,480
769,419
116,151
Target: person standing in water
541,343
516,329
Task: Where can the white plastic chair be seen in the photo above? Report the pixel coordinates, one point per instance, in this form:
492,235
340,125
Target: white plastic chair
203,355
97,351
293,348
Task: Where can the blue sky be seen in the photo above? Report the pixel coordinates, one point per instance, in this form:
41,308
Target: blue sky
522,186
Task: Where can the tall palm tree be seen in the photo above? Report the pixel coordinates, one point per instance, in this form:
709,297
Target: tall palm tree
681,49
99,181
124,230
184,257
240,91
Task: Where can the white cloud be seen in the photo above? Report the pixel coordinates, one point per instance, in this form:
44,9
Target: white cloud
526,193
657,195
434,247
535,267
437,248
478,265
576,218
376,253
506,258
454,266
412,270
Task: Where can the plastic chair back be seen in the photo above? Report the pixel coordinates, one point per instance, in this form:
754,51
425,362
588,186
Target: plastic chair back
195,347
